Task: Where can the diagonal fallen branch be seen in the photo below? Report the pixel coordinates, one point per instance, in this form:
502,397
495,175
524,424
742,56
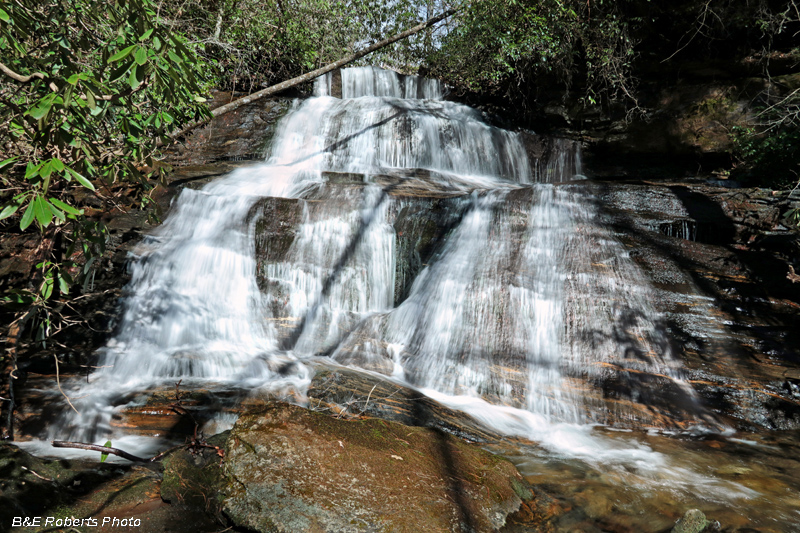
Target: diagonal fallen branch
104,449
288,84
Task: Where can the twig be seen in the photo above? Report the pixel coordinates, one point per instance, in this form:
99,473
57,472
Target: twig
37,475
58,382
366,404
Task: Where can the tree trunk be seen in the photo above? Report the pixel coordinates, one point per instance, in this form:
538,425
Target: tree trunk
288,84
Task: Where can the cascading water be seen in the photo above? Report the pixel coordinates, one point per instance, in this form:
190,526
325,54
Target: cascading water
520,306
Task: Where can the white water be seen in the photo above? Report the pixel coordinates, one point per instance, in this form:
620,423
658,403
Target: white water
526,294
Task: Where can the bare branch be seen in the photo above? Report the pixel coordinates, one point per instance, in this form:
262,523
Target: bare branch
105,449
25,79
19,77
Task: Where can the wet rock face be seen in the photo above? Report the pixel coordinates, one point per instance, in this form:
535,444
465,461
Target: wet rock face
289,469
239,135
719,260
349,393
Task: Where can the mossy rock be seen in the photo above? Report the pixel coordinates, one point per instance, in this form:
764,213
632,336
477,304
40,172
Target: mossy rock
195,477
290,469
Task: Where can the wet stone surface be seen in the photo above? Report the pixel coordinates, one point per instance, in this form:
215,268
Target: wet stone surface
725,293
289,469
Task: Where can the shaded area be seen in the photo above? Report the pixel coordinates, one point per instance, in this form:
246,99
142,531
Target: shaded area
737,370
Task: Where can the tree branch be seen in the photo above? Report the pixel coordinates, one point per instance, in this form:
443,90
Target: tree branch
19,77
105,449
25,79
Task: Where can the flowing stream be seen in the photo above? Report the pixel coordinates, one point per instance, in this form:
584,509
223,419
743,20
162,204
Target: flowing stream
422,243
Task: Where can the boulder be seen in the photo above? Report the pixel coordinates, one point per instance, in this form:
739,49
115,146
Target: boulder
290,469
694,521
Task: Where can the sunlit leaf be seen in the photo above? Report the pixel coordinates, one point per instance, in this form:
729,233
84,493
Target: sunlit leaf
47,286
63,284
46,169
90,101
122,54
27,217
8,211
57,212
140,56
133,80
40,111
104,456
32,171
43,213
80,179
66,207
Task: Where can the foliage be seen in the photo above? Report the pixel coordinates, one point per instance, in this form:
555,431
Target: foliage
88,89
769,158
512,42
252,44
769,149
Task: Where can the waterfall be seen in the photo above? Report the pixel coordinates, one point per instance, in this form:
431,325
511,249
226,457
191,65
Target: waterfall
410,238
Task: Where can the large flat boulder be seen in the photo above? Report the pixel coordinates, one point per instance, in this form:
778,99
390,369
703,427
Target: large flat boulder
290,469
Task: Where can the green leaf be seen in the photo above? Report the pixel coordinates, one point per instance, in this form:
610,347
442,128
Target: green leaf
119,72
83,181
68,96
104,456
4,16
57,164
133,81
46,169
41,110
72,80
140,56
32,170
27,217
90,99
43,213
63,284
65,207
57,212
146,35
122,54
8,211
47,286
174,57
8,161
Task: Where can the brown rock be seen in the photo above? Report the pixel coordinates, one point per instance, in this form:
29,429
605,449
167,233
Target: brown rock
290,469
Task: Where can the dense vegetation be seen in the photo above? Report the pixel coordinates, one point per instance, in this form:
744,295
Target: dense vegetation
91,90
